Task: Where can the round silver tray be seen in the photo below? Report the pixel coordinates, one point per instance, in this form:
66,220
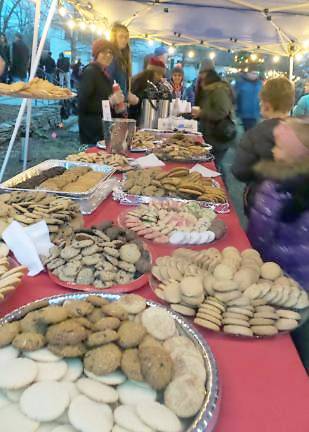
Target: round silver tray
206,419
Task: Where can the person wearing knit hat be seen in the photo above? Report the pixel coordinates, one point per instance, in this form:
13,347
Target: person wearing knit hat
156,65
96,86
177,82
206,66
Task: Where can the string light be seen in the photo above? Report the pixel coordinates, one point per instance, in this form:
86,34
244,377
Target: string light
171,50
71,24
212,55
62,11
253,57
150,42
276,59
299,56
191,54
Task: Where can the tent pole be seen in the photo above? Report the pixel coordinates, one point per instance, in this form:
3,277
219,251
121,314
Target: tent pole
291,67
32,74
29,101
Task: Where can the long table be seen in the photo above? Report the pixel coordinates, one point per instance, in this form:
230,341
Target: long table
263,383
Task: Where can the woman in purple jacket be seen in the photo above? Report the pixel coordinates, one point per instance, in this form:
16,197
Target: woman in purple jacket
279,218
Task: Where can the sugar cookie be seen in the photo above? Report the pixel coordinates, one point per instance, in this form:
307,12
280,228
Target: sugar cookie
126,416
131,393
114,378
158,417
264,330
183,310
283,313
17,373
270,271
47,427
74,371
237,330
13,420
159,323
207,324
97,391
71,388
42,355
133,303
54,371
44,401
3,400
8,353
286,324
89,416
64,428
14,395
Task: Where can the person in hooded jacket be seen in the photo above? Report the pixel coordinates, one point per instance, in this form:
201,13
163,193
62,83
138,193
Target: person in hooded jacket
247,89
215,115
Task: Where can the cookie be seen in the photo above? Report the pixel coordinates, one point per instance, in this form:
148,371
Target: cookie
242,311
111,323
132,393
159,323
133,303
42,355
97,301
101,338
103,360
12,419
209,317
158,417
74,370
261,321
64,428
130,334
126,417
286,324
283,313
238,330
185,363
183,310
44,401
223,272
8,353
66,333
156,366
179,342
89,416
131,366
191,286
184,396
8,332
54,371
77,308
115,310
235,321
270,271
29,341
264,330
228,296
114,378
53,314
97,391
17,373
266,314
206,324
77,350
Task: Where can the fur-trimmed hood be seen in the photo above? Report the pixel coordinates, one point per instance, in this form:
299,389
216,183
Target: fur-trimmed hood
283,171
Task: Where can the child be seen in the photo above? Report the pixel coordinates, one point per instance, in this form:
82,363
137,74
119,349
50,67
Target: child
277,99
279,217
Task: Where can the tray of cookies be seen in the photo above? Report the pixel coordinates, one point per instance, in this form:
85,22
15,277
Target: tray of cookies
119,162
101,362
230,292
105,257
144,140
11,273
144,186
37,88
88,184
173,222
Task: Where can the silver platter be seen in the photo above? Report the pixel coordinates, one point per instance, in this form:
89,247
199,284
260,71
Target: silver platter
206,419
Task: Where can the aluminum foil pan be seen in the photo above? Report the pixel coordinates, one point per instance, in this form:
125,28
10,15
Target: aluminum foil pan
206,419
88,201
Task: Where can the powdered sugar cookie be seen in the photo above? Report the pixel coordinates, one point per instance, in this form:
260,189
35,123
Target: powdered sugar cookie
47,427
117,428
114,378
4,401
42,355
64,428
97,391
126,416
74,371
14,395
158,417
51,371
184,396
131,393
158,323
89,416
13,420
17,373
71,388
44,401
8,353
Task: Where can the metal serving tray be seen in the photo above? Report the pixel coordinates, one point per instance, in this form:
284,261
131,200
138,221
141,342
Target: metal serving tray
88,201
207,417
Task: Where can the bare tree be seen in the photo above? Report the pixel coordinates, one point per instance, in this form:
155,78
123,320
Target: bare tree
7,10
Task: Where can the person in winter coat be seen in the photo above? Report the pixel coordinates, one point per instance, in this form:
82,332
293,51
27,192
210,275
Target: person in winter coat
63,66
177,83
247,89
206,66
302,107
20,59
50,68
279,218
95,86
120,69
5,55
277,99
216,110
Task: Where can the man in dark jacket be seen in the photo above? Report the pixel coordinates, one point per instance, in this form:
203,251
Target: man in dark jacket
277,99
20,59
5,55
50,67
95,86
63,66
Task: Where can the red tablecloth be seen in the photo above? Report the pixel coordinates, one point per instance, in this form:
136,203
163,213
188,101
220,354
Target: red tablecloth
264,385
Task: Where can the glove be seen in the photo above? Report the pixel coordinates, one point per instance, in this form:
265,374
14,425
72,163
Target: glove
116,98
133,99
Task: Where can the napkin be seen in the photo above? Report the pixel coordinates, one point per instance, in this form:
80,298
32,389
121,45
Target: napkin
206,172
149,161
28,243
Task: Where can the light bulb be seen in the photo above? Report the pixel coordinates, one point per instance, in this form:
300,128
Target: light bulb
150,42
62,11
171,50
276,59
253,57
191,54
212,55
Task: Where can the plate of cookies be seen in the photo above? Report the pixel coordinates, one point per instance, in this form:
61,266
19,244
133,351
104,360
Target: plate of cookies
88,362
230,291
104,257
11,273
174,222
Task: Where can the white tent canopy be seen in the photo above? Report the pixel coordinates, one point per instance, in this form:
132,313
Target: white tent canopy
271,26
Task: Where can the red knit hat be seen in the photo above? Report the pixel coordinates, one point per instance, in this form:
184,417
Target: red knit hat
156,64
100,45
